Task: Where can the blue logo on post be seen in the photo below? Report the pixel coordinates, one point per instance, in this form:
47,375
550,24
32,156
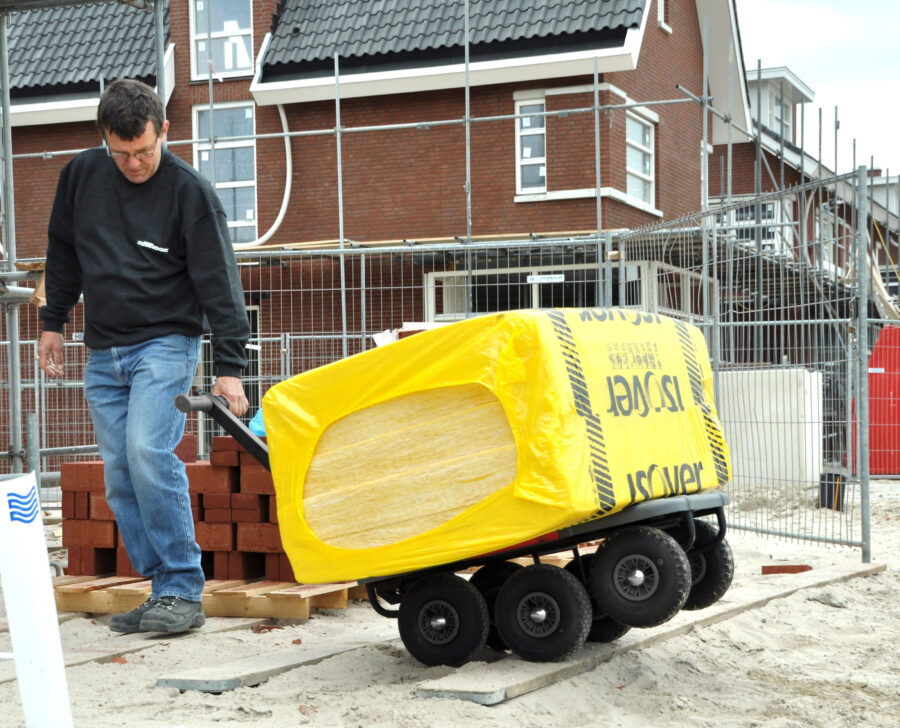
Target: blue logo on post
23,507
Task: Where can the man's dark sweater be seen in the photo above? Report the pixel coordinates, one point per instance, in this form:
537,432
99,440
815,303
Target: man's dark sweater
150,258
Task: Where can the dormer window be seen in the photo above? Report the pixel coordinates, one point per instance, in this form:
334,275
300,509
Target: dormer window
778,91
781,117
221,38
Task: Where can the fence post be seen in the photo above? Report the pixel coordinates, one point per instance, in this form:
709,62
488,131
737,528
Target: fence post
862,325
33,447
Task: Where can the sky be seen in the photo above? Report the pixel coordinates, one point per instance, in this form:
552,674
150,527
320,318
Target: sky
848,53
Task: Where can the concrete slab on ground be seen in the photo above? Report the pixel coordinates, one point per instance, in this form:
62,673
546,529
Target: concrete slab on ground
256,669
115,645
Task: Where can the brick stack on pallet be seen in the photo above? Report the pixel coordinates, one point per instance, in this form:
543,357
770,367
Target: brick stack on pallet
235,518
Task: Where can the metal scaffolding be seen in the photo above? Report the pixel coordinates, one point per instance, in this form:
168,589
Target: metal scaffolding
699,257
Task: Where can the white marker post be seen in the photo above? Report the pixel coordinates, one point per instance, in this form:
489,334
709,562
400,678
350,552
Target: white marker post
31,607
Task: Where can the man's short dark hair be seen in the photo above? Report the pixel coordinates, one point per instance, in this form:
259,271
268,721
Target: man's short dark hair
125,108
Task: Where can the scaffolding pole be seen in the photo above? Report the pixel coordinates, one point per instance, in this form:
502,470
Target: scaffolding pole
14,367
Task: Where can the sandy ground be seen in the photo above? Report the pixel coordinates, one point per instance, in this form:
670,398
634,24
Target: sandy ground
825,656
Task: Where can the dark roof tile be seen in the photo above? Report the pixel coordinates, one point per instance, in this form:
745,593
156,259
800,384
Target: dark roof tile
78,44
313,30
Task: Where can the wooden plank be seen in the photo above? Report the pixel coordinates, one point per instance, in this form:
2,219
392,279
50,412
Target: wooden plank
102,595
75,578
260,605
358,592
135,587
214,585
311,590
325,596
221,598
96,602
329,600
254,599
83,587
492,683
249,589
96,596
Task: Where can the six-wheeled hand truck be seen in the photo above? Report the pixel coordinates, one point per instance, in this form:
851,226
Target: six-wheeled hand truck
653,559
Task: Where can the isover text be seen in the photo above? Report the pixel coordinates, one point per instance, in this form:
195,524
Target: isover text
675,480
641,395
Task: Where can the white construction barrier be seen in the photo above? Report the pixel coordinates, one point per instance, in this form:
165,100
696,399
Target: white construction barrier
30,606
773,425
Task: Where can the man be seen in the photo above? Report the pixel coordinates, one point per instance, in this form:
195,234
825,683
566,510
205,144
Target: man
143,237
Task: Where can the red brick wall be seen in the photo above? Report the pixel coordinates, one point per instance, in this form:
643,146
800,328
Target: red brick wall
410,183
743,159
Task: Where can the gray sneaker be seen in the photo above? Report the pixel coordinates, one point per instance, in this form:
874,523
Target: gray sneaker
130,622
173,614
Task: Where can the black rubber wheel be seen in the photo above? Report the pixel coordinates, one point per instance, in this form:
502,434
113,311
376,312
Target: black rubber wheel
443,620
543,613
711,571
640,577
488,580
603,628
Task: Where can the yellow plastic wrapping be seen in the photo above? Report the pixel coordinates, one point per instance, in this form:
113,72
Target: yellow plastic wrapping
478,435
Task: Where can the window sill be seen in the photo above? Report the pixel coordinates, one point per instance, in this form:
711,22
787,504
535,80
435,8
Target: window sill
586,192
234,76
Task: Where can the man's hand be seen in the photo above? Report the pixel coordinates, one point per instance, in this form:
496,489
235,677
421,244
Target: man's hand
50,354
232,389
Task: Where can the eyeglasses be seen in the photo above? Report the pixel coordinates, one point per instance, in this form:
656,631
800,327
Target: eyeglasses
140,156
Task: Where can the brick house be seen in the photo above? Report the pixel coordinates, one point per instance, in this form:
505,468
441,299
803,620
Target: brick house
813,221
534,174
532,74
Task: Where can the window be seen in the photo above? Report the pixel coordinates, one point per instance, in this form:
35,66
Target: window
234,170
639,159
531,147
509,289
775,228
891,278
648,285
781,113
221,38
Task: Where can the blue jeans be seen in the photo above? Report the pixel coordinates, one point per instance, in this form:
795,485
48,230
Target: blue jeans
131,392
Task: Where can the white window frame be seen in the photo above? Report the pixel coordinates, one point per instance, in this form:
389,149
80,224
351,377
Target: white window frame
199,35
201,147
523,161
651,151
645,279
776,219
454,291
661,16
779,108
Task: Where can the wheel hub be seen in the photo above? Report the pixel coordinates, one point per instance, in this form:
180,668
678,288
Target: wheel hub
438,622
636,578
698,567
538,614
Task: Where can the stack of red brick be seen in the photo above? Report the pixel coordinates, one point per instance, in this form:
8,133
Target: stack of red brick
235,517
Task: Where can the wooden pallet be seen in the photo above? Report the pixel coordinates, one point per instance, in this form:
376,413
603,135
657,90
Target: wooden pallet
221,598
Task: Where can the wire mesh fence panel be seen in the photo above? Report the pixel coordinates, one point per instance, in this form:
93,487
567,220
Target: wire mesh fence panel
772,282
64,429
